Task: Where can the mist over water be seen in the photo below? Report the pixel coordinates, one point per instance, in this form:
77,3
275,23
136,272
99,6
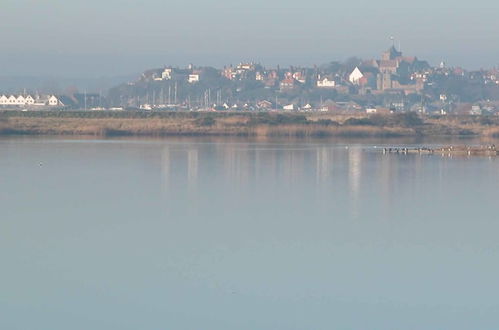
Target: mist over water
244,234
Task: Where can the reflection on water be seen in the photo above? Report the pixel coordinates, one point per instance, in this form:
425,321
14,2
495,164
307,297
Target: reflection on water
324,164
242,164
347,171
192,167
165,167
355,174
240,234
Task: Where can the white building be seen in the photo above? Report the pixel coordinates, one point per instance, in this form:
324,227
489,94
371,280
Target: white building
325,83
53,101
307,107
167,74
24,100
355,76
193,78
20,100
29,100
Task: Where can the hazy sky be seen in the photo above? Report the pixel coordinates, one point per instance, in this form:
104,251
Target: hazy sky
114,37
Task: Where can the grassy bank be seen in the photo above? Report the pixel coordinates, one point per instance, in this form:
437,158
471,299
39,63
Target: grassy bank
134,123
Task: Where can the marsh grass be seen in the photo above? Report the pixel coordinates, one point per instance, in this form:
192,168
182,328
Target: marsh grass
131,123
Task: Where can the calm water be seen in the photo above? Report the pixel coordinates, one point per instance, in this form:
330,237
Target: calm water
233,234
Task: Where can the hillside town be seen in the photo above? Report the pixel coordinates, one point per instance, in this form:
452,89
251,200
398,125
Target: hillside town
393,82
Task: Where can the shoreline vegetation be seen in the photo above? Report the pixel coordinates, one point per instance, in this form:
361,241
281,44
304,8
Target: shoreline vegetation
264,124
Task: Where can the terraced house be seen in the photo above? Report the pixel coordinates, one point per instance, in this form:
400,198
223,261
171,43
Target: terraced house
29,100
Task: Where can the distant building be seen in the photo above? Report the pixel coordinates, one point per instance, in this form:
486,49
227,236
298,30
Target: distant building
53,101
167,74
12,100
194,78
243,71
28,100
396,72
355,76
307,107
325,82
264,104
300,76
391,54
288,84
476,110
21,100
378,110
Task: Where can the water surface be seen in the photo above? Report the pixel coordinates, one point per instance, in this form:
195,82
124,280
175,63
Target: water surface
239,234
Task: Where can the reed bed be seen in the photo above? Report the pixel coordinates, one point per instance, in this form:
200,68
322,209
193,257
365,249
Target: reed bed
163,127
245,124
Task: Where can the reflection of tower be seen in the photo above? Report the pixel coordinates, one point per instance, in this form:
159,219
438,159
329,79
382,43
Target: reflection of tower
286,164
298,164
229,156
257,164
240,163
387,170
323,164
293,165
237,164
165,167
418,169
243,164
192,166
354,176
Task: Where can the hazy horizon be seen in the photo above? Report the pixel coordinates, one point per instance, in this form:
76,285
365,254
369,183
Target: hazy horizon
121,37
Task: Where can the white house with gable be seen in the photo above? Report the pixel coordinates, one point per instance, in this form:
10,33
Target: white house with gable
355,76
23,100
325,82
29,100
53,100
4,100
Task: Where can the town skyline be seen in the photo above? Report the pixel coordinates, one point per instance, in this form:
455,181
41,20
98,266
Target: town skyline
391,82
